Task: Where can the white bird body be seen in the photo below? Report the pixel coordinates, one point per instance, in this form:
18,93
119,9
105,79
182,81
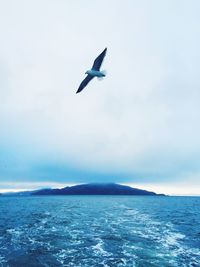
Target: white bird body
96,73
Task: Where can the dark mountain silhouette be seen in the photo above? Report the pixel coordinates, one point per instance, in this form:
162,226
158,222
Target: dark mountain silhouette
96,189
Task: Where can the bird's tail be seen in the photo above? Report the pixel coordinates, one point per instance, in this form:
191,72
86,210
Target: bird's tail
104,72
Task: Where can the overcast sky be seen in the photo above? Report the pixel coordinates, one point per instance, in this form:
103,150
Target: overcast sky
140,125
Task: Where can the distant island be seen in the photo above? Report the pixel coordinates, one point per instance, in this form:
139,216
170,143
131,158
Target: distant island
96,189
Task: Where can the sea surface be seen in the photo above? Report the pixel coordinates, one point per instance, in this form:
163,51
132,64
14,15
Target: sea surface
99,231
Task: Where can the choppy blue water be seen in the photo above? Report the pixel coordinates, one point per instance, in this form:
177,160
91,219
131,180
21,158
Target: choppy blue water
99,231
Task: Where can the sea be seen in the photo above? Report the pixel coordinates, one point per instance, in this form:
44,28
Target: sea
86,231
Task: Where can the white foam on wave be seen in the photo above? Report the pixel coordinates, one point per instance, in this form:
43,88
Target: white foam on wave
14,231
44,221
172,238
63,255
98,248
167,242
2,261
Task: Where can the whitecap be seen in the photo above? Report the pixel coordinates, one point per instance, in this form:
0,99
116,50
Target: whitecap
98,248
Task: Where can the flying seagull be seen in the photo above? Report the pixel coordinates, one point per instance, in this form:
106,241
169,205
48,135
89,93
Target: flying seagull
94,72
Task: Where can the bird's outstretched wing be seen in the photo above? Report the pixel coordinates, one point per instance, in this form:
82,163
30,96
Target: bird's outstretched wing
87,79
98,61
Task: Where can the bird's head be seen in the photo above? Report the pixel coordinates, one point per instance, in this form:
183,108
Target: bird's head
87,72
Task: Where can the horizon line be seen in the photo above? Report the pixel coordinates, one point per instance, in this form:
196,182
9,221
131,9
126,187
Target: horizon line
62,185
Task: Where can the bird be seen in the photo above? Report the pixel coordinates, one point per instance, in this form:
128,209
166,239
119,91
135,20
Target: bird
94,72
